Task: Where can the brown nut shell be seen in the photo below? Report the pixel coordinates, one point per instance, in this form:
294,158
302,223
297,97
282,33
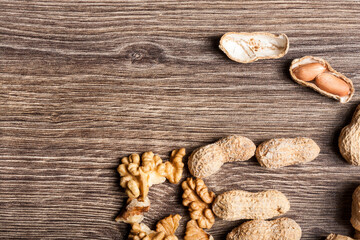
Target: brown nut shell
238,204
247,47
349,140
278,229
280,152
208,159
334,236
300,66
355,209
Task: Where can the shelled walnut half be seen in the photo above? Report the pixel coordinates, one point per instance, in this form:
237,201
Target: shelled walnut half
165,230
139,174
197,197
193,231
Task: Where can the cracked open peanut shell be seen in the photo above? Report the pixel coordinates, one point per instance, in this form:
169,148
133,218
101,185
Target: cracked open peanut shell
316,73
245,47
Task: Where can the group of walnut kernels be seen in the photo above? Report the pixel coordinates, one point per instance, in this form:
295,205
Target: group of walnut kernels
138,174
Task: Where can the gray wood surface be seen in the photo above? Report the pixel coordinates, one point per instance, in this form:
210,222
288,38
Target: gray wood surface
84,83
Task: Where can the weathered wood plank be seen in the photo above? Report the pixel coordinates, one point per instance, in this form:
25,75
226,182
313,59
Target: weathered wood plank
84,83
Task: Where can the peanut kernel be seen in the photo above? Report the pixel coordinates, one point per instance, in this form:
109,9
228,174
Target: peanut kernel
332,84
308,72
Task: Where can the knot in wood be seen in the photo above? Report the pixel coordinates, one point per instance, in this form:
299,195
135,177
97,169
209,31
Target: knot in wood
144,54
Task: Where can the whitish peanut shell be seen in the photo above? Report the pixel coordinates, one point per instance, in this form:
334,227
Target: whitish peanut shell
278,229
208,159
333,236
355,209
280,152
247,47
349,140
294,68
238,204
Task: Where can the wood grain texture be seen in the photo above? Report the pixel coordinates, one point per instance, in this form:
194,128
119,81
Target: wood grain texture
84,83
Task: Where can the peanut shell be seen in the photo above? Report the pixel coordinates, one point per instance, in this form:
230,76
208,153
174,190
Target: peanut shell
247,47
333,236
355,209
280,152
278,229
311,84
349,140
208,159
238,204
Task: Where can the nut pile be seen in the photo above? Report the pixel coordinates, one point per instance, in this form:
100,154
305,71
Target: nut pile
139,173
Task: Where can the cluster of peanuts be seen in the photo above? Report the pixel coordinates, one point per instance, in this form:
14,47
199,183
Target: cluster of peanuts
138,174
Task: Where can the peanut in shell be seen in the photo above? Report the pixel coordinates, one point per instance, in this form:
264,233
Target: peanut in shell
355,209
208,159
280,152
278,229
334,236
316,73
349,140
239,204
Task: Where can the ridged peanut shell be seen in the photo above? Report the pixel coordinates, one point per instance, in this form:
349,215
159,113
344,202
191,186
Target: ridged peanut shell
247,47
208,159
280,152
349,140
278,229
333,236
355,209
238,204
311,84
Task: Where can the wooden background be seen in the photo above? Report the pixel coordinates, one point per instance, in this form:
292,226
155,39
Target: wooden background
84,83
